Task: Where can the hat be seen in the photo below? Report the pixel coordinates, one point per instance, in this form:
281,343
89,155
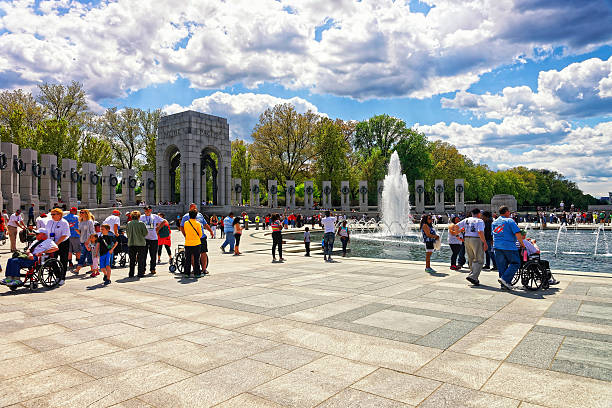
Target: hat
74,209
42,231
43,215
116,212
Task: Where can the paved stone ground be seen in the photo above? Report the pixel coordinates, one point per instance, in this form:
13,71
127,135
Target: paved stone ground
304,333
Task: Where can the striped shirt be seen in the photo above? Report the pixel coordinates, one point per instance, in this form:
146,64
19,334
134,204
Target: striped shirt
276,226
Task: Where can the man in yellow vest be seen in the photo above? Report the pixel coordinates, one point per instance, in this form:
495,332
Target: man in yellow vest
257,222
246,221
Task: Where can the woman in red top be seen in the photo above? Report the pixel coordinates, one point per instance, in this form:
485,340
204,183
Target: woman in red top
277,238
163,238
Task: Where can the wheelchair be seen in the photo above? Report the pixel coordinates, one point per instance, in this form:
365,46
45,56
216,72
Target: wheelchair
178,261
45,271
532,274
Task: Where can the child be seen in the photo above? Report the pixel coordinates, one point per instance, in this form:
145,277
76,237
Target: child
307,241
92,245
106,245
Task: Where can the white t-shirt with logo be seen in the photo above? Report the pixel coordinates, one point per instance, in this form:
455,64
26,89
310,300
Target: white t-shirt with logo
472,225
151,221
329,223
113,220
15,220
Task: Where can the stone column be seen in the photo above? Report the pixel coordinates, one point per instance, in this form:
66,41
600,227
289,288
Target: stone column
419,197
326,195
363,196
459,195
10,177
203,189
70,179
28,184
48,181
290,194
109,183
148,187
439,196
237,191
308,194
272,193
228,183
380,186
345,196
128,186
254,193
89,182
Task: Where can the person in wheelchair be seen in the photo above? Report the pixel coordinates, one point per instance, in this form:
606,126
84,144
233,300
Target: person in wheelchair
42,245
532,252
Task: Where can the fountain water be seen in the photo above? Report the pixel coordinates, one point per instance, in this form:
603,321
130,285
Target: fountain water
562,228
396,200
601,230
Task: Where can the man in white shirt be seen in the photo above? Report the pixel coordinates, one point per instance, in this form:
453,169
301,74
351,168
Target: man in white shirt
13,266
475,244
114,221
59,232
15,221
329,226
153,224
41,221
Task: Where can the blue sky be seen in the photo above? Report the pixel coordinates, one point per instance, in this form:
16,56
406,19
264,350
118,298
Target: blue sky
513,82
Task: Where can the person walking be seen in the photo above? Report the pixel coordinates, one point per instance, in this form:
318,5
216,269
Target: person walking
505,235
163,238
31,215
475,244
137,244
193,235
277,237
153,224
329,225
15,221
429,238
487,217
237,235
86,230
343,233
307,241
228,229
74,248
455,241
59,232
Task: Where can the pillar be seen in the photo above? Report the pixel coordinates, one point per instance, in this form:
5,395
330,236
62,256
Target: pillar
10,177
363,196
272,193
237,191
148,187
254,193
459,195
69,182
203,185
48,181
419,197
228,184
290,194
380,187
308,194
439,196
345,196
128,186
326,195
109,184
90,179
28,183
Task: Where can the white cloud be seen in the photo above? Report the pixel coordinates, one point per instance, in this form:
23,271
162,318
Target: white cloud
241,110
375,48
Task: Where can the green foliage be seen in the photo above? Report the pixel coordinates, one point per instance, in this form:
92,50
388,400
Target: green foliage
241,166
64,102
382,132
332,155
415,156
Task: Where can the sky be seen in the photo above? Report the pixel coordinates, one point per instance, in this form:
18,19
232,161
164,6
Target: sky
509,82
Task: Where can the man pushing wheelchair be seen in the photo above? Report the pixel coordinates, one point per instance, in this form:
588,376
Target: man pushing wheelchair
42,245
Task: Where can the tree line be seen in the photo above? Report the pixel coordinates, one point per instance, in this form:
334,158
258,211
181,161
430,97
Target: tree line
287,145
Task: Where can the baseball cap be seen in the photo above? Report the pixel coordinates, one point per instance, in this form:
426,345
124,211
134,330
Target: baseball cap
73,209
116,212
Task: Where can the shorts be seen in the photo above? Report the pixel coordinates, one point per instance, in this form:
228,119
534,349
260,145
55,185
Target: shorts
203,245
105,260
74,246
429,246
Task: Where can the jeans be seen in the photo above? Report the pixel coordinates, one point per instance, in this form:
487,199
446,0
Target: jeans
85,258
277,241
490,256
138,253
461,257
455,248
192,257
344,241
152,249
229,240
508,262
307,247
329,243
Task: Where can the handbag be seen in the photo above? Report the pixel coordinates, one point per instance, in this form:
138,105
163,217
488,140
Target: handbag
437,244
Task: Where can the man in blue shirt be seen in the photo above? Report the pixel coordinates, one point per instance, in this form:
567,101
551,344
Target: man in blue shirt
203,240
228,228
505,235
75,238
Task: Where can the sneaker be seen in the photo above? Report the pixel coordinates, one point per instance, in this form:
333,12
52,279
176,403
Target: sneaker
152,272
61,283
222,249
282,259
454,267
191,275
473,281
505,284
494,268
486,268
325,258
553,281
107,282
273,259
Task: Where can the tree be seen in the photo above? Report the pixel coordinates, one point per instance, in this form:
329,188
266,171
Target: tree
11,101
95,149
149,122
448,164
122,130
63,102
241,166
373,168
382,132
332,152
58,137
414,155
283,143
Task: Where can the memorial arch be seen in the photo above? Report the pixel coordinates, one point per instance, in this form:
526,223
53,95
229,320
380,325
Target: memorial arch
193,159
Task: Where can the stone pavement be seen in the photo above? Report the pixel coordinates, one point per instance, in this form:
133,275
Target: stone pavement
304,333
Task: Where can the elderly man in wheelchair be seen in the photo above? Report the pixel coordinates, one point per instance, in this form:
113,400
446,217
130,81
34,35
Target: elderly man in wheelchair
534,272
34,261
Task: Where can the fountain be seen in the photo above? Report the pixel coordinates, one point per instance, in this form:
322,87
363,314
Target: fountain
601,231
395,200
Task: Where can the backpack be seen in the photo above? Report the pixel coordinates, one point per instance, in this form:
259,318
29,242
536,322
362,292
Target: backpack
164,232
